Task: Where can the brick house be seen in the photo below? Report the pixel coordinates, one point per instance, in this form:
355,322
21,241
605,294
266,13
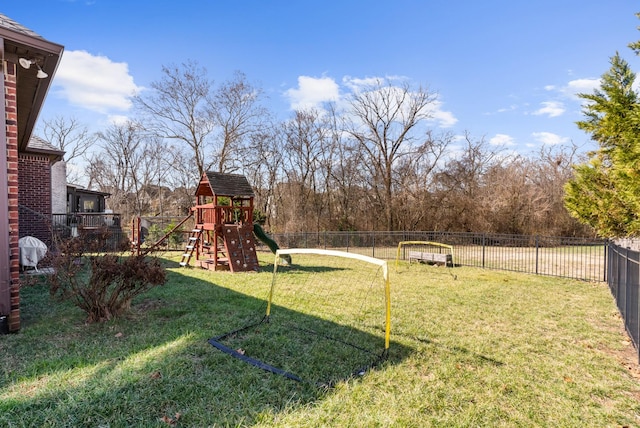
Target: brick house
35,188
28,65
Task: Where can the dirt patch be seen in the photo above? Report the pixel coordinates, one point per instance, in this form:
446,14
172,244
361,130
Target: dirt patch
628,357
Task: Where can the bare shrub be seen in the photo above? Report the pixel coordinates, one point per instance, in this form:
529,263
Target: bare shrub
101,284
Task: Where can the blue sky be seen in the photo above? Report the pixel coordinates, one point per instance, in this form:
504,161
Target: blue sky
504,70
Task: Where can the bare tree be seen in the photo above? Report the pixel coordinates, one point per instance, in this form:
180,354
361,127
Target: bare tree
307,157
460,185
551,170
524,194
237,114
386,123
124,166
415,176
262,165
178,176
179,109
512,203
73,138
348,201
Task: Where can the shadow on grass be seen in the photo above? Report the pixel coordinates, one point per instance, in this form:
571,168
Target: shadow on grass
155,364
457,350
268,267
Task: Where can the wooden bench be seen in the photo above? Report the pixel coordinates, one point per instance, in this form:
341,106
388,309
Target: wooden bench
437,258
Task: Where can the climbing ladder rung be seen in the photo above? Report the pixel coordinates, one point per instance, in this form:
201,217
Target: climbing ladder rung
194,237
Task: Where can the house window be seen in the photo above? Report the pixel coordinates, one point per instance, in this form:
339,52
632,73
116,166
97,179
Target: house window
88,206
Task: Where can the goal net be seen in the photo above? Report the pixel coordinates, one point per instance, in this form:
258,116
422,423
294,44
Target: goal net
326,318
434,253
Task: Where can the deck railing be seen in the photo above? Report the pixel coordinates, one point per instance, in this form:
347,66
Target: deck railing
86,220
221,214
89,224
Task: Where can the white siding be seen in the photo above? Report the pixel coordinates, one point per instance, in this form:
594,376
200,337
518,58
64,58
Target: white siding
59,188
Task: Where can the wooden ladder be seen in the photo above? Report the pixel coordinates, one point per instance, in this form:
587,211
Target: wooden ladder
192,244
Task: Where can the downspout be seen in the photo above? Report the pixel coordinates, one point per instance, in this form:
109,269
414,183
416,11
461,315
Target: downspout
5,249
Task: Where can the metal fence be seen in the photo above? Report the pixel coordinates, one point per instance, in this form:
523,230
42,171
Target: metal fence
567,257
624,282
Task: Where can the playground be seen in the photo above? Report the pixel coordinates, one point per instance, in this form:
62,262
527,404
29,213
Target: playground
223,233
486,349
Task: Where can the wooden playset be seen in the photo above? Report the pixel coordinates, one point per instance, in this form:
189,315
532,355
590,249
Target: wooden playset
222,237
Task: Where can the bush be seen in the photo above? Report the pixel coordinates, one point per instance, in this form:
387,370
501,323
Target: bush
174,240
101,284
154,234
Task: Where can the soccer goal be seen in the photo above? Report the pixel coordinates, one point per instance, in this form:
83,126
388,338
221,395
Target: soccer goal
424,252
326,318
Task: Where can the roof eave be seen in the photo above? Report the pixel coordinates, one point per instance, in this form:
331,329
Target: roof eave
54,155
17,45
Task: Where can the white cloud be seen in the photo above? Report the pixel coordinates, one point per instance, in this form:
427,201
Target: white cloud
585,86
580,86
94,82
118,119
512,107
312,92
549,138
501,140
356,84
445,119
551,109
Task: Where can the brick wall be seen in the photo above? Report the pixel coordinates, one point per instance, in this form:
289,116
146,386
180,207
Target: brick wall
34,193
11,120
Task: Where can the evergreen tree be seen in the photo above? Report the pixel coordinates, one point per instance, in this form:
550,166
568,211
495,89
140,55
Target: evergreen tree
605,192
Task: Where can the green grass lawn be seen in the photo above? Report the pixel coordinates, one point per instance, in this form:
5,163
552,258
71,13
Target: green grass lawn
481,348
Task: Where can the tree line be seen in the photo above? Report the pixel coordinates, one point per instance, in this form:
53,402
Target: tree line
371,162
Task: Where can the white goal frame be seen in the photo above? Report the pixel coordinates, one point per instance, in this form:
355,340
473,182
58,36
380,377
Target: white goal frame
382,263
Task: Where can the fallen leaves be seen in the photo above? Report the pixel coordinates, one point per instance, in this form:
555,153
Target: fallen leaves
171,421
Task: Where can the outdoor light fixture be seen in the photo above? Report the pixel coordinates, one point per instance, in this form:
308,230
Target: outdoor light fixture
26,63
41,74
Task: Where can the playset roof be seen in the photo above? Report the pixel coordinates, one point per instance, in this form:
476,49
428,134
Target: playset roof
233,185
